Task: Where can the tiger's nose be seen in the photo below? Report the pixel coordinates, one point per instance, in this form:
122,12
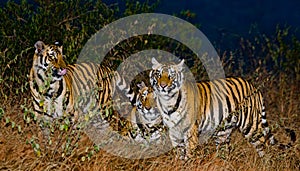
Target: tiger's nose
148,107
163,85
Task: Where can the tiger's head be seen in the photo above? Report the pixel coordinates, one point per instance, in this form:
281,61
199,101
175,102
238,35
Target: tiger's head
146,104
49,58
166,79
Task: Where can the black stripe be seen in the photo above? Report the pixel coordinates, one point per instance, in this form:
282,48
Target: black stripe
81,70
263,111
176,104
70,69
40,77
228,104
265,124
187,127
256,136
49,95
206,99
53,81
45,59
253,110
77,79
160,104
231,93
36,102
106,78
43,113
100,84
242,117
247,130
39,112
60,88
89,70
235,89
35,86
242,88
221,114
41,59
206,94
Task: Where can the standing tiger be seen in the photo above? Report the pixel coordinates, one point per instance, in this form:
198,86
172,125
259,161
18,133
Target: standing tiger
60,90
192,111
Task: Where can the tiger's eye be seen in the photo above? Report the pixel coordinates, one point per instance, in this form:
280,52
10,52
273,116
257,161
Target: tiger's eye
157,74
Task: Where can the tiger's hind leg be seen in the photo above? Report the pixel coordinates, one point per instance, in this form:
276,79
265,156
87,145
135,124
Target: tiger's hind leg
222,136
222,141
258,133
257,137
259,140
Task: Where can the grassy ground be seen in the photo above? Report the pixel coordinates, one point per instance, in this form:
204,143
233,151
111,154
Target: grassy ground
283,109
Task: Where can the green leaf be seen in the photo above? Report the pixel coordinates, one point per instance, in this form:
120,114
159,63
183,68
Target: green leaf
7,120
61,127
83,158
1,113
19,129
106,112
28,119
13,124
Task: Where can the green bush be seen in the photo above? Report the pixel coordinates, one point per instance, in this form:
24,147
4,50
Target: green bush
276,54
72,22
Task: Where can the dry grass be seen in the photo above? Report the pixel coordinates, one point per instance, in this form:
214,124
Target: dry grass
282,101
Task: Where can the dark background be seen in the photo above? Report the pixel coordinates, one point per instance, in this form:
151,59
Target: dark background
225,22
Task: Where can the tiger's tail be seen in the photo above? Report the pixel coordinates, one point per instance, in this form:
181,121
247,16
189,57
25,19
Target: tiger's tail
270,138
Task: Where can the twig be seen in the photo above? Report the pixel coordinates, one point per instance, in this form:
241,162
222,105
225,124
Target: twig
73,18
13,60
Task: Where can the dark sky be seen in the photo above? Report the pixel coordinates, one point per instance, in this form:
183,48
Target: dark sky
222,20
226,21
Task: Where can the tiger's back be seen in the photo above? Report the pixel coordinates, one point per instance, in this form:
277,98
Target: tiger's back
233,103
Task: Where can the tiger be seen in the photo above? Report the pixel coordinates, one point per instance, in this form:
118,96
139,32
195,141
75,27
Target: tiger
58,89
146,122
146,117
214,108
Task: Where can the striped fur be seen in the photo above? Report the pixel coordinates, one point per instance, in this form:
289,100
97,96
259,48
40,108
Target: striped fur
60,90
194,111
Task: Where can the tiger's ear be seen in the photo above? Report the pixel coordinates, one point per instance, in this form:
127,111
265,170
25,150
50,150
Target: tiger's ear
155,64
39,46
180,65
141,85
60,48
59,45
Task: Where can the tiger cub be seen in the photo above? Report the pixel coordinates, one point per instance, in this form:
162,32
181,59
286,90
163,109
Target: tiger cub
146,117
146,122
